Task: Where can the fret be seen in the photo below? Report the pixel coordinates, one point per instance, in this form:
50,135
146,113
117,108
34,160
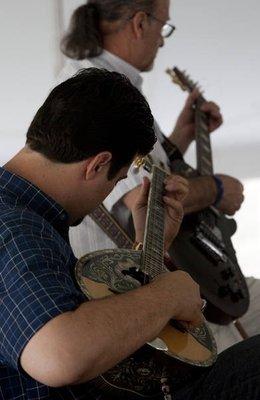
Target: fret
203,126
203,146
206,150
203,137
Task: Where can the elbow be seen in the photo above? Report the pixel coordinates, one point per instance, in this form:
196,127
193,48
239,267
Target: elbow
62,372
66,376
55,358
63,366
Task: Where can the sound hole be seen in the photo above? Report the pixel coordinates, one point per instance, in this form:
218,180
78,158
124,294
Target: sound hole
137,275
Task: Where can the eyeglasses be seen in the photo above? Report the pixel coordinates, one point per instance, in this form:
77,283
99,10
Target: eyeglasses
167,29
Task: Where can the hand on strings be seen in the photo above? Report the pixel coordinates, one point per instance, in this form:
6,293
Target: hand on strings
183,294
176,189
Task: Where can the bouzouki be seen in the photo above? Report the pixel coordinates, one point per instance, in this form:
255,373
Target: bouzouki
111,272
203,246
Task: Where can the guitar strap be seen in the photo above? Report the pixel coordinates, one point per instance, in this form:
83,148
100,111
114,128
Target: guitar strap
172,151
111,227
177,163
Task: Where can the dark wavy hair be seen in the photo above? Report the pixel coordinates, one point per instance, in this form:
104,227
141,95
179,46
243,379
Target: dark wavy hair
94,111
84,38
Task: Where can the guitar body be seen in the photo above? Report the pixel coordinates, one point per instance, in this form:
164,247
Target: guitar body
110,272
203,248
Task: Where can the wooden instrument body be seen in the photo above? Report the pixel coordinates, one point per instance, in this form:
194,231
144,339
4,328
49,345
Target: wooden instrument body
111,272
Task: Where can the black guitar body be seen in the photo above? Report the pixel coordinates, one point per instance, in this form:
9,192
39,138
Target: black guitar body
203,248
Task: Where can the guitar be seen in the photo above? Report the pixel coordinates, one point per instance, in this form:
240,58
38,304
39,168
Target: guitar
111,272
203,246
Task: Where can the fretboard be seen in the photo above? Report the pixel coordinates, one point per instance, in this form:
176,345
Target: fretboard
153,250
203,146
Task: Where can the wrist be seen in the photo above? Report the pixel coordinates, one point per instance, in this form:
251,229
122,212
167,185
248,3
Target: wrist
167,244
168,262
139,234
219,190
180,139
202,193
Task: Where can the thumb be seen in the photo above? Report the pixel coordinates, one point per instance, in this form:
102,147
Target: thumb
142,197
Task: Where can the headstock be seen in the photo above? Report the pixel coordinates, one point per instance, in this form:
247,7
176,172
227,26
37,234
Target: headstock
145,162
181,79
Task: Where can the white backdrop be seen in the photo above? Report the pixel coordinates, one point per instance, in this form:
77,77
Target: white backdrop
216,42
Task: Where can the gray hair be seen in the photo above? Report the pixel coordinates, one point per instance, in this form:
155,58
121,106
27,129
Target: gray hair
84,38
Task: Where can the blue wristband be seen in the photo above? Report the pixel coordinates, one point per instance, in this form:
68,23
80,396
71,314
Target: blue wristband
220,190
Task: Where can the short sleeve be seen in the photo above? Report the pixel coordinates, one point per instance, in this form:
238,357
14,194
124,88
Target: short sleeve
36,286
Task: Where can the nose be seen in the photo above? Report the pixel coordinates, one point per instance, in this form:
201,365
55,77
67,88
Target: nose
161,43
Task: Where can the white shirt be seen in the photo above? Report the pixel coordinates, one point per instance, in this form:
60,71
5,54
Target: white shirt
88,237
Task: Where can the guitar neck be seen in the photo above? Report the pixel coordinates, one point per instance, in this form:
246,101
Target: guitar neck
153,250
203,145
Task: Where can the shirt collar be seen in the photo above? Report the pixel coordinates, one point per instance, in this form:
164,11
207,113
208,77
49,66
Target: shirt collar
112,62
25,193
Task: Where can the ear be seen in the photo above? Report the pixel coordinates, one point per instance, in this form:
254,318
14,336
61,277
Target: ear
139,24
97,164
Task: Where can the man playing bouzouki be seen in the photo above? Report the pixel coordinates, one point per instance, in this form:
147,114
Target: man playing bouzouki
54,343
125,36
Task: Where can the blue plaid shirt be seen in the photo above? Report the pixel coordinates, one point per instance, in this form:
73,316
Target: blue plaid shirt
36,283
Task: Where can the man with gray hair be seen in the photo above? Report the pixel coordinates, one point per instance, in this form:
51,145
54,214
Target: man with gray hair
125,36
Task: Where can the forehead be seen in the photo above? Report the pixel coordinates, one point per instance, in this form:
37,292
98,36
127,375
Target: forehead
162,9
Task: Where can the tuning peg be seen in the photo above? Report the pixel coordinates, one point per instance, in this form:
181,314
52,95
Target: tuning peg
138,162
169,71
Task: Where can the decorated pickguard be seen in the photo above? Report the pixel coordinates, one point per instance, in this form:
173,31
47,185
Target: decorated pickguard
203,336
112,267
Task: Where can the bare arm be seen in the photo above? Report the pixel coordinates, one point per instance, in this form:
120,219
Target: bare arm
78,346
202,193
203,190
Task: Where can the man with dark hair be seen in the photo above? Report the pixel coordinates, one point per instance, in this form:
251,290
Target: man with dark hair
54,342
51,338
124,36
